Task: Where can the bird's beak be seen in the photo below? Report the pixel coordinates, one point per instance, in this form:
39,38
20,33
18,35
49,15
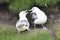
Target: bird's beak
26,11
30,10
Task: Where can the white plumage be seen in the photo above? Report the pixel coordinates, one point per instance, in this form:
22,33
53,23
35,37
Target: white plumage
23,21
40,17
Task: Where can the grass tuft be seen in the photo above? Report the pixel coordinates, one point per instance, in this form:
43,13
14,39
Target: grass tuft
9,33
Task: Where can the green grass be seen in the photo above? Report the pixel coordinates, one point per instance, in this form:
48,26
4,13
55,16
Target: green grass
44,2
20,5
9,33
42,35
57,33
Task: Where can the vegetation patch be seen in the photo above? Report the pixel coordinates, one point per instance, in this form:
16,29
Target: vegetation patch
20,5
46,2
57,31
9,33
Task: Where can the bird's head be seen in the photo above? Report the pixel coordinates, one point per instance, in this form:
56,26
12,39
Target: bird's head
24,13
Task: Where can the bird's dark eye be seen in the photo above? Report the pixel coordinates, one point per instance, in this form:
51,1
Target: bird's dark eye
34,13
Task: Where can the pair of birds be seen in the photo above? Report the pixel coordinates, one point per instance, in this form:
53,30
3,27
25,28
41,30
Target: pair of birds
39,17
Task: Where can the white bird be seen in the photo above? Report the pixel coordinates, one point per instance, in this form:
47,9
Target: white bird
39,17
23,21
